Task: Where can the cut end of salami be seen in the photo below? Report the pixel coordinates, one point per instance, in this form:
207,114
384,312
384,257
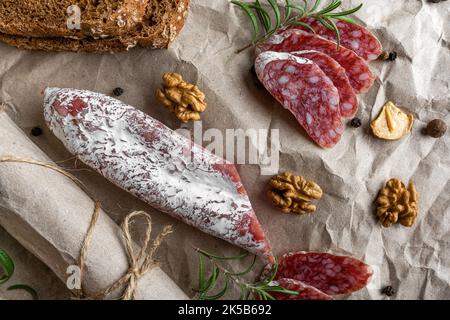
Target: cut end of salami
305,292
168,171
353,37
306,91
348,104
331,274
292,40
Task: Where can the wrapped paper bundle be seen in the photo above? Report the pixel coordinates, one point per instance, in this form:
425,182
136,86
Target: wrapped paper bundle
50,215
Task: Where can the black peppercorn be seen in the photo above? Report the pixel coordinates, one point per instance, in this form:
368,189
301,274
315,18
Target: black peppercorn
389,291
436,128
118,92
392,56
36,131
388,56
356,122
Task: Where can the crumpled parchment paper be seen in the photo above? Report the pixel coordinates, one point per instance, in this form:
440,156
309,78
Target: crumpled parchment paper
415,261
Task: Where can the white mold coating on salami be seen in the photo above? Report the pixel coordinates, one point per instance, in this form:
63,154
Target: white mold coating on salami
305,90
154,163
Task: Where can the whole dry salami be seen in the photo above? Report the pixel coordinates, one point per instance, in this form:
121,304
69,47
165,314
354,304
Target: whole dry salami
305,292
156,164
348,101
353,36
356,68
329,273
305,90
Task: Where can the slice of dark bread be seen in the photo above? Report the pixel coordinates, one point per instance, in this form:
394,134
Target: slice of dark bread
163,20
49,18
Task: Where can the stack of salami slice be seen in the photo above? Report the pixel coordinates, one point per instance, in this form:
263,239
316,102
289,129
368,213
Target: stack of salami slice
317,80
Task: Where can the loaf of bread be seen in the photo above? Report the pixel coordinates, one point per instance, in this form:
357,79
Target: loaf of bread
161,22
49,18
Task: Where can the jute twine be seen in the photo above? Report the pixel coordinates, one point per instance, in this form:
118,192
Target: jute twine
140,262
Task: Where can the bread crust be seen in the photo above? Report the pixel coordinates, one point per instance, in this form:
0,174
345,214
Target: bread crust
48,18
159,36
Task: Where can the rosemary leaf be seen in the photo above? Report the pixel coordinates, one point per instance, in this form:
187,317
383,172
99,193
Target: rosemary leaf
241,256
316,5
7,265
244,293
346,19
305,6
264,17
246,270
201,273
334,5
345,13
336,30
220,294
245,7
26,288
212,280
298,8
325,23
276,11
287,10
303,24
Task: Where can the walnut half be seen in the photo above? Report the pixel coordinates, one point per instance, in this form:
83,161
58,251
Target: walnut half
293,194
396,203
184,99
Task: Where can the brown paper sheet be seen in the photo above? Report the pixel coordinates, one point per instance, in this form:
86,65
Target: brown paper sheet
415,260
50,215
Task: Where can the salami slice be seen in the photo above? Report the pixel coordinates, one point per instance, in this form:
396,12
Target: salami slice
157,165
357,69
329,273
305,292
305,90
353,36
348,105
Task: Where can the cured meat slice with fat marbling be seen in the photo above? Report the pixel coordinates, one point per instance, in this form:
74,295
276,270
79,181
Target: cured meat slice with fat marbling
305,292
159,166
353,36
358,71
348,104
331,274
305,90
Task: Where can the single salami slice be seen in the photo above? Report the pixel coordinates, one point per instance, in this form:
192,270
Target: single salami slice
306,91
353,36
157,165
329,273
348,105
357,69
305,292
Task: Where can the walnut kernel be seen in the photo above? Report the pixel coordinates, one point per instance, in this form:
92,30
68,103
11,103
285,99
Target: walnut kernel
184,99
396,203
293,194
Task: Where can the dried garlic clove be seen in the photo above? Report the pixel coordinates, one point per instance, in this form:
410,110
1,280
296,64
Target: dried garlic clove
392,123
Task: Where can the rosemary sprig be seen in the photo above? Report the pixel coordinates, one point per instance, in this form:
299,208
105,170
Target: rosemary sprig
7,265
292,15
208,281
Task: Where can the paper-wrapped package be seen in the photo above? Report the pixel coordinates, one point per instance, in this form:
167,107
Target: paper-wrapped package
50,215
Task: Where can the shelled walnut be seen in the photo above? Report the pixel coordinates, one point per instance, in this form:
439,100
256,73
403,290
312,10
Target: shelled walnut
293,194
396,203
182,98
